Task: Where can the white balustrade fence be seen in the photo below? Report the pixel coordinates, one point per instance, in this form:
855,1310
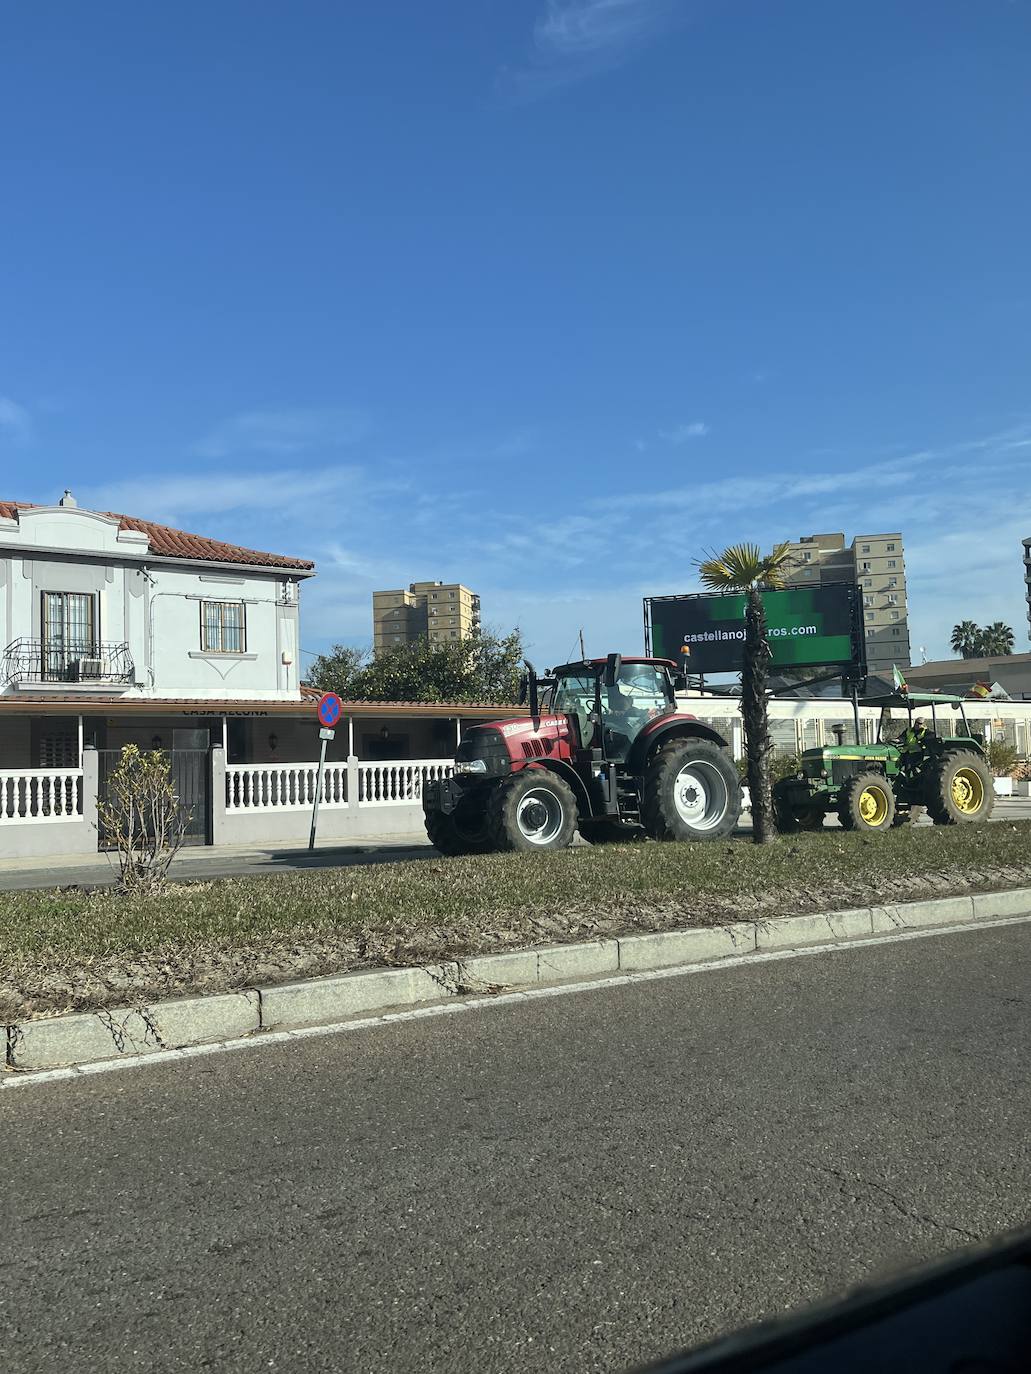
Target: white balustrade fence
283,786
291,786
40,794
400,783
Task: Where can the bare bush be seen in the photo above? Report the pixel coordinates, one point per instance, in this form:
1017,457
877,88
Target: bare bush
143,817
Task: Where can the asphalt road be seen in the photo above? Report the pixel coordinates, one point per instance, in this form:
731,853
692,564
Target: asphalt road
573,1183
250,861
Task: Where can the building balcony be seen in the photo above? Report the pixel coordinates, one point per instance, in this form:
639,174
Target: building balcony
34,665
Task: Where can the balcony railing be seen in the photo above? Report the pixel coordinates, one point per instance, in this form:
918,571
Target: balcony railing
35,660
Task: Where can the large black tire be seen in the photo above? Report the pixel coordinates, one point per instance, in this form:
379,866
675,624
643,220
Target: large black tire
610,831
464,831
866,802
691,792
534,810
790,820
959,789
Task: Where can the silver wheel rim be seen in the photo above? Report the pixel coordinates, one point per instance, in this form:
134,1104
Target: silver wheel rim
539,816
700,795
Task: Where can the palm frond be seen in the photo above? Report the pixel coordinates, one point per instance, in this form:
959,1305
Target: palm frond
743,566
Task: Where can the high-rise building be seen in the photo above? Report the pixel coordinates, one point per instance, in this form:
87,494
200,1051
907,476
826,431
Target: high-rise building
425,610
877,563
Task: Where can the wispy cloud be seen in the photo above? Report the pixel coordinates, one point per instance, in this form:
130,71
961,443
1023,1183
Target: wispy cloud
283,432
680,434
574,39
15,421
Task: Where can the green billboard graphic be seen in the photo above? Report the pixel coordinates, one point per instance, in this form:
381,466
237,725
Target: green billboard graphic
808,627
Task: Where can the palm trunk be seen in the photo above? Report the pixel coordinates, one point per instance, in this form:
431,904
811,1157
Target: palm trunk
756,720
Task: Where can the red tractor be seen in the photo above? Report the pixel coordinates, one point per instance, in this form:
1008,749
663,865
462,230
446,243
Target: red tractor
603,750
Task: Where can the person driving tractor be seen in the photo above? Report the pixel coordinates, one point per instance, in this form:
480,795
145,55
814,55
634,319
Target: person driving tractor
912,743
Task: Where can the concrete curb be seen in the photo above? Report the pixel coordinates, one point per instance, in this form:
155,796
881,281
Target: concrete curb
96,1037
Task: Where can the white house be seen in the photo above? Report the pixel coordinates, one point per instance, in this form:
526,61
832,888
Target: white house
118,630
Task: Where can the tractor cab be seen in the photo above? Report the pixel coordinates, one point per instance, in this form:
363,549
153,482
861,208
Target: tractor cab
612,700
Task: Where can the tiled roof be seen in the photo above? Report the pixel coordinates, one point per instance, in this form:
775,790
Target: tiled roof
172,543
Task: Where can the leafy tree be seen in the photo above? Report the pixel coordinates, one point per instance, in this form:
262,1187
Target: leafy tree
482,667
336,671
966,637
744,569
972,641
996,638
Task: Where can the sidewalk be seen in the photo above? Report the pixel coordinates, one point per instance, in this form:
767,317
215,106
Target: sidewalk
227,861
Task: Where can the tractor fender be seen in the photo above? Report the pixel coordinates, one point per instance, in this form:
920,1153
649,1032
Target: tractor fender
569,775
682,727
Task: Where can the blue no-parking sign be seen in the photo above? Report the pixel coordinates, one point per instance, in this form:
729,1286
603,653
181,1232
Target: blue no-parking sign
330,707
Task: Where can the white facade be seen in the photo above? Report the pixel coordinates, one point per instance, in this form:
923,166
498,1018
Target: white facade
86,606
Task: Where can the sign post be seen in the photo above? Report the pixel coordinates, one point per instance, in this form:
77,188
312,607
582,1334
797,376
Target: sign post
329,710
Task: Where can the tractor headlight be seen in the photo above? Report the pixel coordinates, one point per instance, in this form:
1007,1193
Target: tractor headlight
471,766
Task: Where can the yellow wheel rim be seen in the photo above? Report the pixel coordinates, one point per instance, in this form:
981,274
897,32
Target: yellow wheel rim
968,791
873,805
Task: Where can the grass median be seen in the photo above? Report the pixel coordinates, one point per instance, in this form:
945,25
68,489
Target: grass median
66,949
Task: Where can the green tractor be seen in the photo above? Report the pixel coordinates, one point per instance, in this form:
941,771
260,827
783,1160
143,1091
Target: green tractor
877,786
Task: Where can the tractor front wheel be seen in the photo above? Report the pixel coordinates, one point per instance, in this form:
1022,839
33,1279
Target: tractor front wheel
959,788
691,792
534,810
866,802
464,831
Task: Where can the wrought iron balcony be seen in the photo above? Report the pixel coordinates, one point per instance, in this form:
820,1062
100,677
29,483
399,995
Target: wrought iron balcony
30,661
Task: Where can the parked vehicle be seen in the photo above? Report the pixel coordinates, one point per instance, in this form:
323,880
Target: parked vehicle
603,750
877,786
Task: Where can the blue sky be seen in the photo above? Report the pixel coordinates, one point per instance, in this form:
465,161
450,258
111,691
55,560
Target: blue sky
548,296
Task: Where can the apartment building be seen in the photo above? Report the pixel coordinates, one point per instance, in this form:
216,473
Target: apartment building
424,610
876,562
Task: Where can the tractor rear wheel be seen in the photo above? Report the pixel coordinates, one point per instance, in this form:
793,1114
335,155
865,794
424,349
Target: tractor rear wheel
691,792
464,831
959,789
866,802
534,810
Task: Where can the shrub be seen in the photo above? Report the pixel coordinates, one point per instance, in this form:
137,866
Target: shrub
143,817
1002,758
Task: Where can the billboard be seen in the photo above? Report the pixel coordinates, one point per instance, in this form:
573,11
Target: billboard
808,627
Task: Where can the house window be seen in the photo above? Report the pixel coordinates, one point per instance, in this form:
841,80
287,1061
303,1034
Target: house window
807,558
896,630
865,548
866,567
893,582
890,548
895,615
223,627
433,610
433,596
451,595
868,600
867,581
892,563
892,599
454,634
869,615
69,631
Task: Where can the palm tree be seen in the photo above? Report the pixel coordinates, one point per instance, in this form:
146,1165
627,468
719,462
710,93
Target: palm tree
744,569
966,638
996,638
